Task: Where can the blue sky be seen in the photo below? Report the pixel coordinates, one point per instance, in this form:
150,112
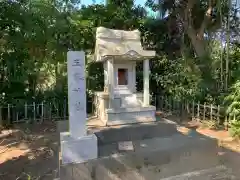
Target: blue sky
136,2
87,2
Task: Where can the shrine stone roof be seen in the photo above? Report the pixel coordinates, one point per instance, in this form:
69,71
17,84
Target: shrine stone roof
120,44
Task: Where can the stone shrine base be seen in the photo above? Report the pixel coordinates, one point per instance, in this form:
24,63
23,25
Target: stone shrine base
78,150
123,112
172,158
130,115
161,151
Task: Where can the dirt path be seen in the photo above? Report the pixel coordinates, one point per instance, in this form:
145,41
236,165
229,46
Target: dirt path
223,136
29,152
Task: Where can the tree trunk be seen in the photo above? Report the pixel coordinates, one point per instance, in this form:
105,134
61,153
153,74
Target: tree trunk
198,44
58,77
197,35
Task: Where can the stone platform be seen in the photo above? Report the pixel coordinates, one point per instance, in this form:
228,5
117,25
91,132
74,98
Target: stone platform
173,158
160,152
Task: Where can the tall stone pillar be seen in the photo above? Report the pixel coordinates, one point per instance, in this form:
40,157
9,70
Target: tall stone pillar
146,73
77,94
110,82
76,145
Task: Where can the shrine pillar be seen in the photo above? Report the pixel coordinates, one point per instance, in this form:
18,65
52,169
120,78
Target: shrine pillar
146,99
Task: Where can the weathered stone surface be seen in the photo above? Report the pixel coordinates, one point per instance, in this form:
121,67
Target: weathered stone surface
135,132
78,150
66,172
159,153
76,93
178,156
215,173
85,172
127,44
103,173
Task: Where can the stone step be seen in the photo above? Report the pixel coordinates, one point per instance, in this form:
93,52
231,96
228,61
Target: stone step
215,173
135,132
161,143
152,159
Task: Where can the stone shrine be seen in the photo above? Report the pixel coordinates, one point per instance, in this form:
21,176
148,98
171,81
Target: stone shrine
119,103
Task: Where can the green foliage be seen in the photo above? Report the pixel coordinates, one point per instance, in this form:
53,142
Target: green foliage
35,36
235,128
235,62
232,102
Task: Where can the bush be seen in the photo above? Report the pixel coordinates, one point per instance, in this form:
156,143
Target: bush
235,128
232,101
211,124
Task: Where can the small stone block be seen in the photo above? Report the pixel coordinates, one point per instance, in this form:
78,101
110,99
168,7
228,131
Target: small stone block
125,146
78,150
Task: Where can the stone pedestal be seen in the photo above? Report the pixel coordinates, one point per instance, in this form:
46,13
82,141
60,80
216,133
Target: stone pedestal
122,112
78,150
130,115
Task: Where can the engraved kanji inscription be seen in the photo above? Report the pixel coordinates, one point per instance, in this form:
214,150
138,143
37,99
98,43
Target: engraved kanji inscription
77,90
78,77
77,62
79,106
